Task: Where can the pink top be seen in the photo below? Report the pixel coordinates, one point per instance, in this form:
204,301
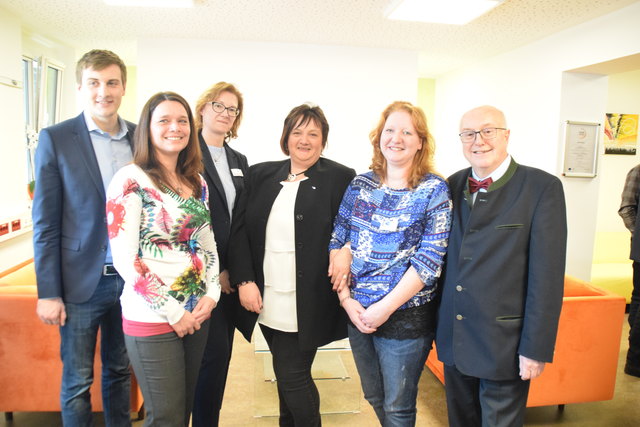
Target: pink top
144,329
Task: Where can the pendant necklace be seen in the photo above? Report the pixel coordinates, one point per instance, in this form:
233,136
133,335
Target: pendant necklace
217,159
176,188
292,176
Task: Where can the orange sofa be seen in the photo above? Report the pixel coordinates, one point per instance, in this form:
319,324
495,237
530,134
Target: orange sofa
31,369
587,347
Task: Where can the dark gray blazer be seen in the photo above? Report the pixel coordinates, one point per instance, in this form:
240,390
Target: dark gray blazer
635,238
320,317
69,218
503,280
220,220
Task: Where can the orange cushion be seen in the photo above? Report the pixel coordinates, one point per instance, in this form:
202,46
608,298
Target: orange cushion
574,287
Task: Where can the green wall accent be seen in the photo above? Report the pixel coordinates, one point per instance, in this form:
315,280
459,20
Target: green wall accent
128,109
427,99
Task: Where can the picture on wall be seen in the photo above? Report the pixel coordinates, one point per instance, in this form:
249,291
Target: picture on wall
620,133
580,149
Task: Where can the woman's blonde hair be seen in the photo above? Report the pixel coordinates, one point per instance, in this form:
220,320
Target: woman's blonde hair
210,95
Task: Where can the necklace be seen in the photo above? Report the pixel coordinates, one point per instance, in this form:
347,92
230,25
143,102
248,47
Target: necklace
292,176
216,159
176,188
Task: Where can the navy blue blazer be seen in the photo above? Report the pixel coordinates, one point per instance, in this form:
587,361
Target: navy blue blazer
69,220
503,279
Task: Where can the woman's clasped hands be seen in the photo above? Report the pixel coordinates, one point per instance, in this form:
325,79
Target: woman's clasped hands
190,322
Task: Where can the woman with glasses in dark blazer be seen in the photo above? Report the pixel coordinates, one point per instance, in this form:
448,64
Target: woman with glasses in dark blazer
217,119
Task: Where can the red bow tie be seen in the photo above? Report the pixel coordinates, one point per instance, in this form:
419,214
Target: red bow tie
475,185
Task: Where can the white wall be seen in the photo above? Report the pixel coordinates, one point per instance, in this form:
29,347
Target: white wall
13,198
352,86
583,97
528,84
13,167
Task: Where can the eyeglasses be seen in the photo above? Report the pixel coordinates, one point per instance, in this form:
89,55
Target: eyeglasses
486,133
219,108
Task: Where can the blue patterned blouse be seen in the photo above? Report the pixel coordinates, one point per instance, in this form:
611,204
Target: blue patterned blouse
391,230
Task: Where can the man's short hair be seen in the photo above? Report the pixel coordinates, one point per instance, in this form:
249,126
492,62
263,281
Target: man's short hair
99,60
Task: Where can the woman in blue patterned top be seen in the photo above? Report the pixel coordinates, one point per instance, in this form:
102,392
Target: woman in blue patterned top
394,222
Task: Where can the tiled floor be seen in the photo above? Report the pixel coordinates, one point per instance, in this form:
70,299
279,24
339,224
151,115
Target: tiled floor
247,393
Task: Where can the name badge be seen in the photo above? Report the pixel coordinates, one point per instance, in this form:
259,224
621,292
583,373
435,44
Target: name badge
236,172
388,224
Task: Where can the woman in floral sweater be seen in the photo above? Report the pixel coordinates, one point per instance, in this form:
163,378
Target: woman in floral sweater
164,248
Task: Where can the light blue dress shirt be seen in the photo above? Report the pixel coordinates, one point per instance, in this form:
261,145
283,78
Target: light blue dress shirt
112,153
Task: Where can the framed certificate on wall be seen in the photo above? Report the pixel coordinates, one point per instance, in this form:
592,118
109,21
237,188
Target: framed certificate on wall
580,149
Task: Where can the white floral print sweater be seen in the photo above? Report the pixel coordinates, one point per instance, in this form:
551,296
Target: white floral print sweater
163,247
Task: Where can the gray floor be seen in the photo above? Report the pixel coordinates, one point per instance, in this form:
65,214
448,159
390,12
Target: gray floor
245,396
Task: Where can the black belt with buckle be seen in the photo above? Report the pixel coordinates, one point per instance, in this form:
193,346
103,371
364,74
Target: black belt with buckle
109,270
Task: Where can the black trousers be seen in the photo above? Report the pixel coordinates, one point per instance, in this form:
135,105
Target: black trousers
479,402
632,366
299,398
215,364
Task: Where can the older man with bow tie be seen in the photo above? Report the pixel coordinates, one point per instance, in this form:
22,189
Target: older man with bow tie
503,280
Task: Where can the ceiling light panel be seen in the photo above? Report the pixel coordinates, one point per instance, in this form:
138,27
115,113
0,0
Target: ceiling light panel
151,3
456,12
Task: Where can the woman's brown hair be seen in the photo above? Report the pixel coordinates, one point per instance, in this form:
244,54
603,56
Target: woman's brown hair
423,160
300,116
190,158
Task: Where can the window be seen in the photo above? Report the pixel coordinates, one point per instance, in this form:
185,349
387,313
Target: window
30,69
42,90
51,88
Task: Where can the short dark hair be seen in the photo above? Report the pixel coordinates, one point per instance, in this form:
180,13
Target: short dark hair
99,59
189,160
299,116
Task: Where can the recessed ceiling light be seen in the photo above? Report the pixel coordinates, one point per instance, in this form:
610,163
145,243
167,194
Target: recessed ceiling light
150,3
457,12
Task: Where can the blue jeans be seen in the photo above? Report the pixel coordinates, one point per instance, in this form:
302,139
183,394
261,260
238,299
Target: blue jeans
77,349
389,371
167,367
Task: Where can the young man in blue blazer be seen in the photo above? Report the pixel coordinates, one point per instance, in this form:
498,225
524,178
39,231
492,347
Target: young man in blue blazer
78,288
